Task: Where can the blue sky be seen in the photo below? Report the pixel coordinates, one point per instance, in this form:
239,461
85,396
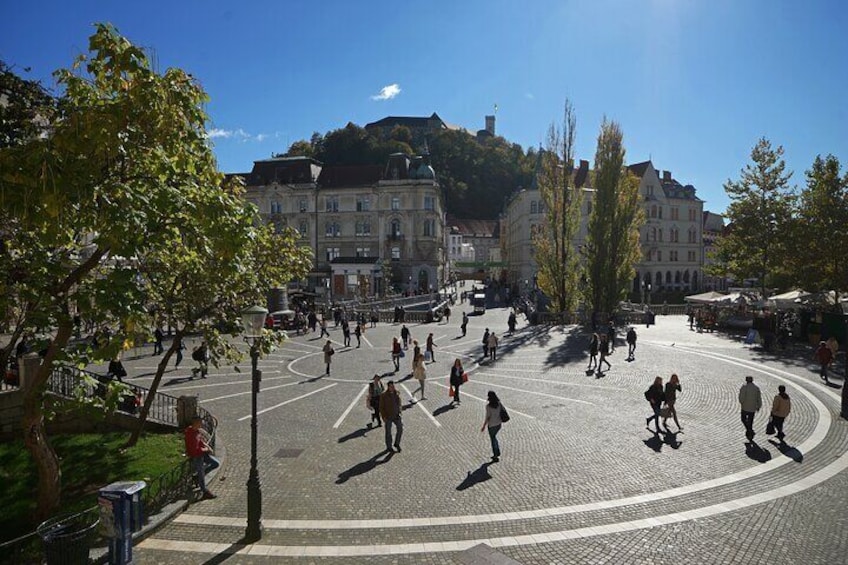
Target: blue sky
693,84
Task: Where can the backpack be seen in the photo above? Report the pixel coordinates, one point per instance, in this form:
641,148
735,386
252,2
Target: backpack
197,354
504,414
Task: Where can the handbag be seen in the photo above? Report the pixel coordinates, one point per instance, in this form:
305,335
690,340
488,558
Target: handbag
450,391
402,354
770,430
665,412
428,356
504,414
465,377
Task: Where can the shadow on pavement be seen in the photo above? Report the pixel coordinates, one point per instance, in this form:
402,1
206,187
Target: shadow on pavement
481,474
757,453
788,450
655,442
364,467
442,409
361,432
226,553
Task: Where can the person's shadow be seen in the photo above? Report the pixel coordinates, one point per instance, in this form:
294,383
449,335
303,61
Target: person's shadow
361,432
442,409
757,453
788,450
654,442
671,439
364,467
481,474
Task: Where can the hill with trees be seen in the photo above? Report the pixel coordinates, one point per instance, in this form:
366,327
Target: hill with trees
476,174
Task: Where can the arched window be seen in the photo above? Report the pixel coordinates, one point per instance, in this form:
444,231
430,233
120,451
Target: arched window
659,232
677,277
695,280
533,207
686,276
653,234
692,235
668,277
395,229
653,210
658,280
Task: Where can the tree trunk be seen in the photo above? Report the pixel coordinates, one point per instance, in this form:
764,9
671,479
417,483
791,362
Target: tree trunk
154,386
35,434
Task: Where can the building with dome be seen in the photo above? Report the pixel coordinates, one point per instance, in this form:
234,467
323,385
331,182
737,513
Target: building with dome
372,228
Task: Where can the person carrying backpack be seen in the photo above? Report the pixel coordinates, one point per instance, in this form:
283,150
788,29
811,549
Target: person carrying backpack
496,415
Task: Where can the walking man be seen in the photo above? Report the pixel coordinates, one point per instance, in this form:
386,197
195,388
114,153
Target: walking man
157,341
200,455
493,346
324,331
429,348
750,401
631,342
464,325
404,335
358,333
346,332
486,344
824,355
390,410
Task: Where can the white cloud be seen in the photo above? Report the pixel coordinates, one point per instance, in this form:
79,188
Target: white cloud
238,134
218,132
529,96
387,92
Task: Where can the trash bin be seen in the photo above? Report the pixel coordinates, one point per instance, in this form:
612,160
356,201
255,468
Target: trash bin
67,538
121,515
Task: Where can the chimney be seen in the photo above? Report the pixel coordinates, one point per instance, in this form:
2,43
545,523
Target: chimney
490,124
582,173
666,176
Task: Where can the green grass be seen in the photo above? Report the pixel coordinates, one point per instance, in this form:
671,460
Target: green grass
88,462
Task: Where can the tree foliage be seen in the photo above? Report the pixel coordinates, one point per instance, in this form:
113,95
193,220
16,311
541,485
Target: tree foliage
613,239
759,212
556,255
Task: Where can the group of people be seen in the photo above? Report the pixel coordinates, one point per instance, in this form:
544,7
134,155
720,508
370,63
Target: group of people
387,407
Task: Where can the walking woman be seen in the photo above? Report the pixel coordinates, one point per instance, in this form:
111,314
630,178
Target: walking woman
780,409
396,351
594,344
493,423
604,348
375,389
654,395
456,379
672,387
328,354
419,373
416,351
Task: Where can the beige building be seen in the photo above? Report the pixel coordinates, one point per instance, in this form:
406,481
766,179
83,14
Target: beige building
713,229
371,228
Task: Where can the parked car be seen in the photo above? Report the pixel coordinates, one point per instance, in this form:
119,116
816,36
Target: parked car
281,320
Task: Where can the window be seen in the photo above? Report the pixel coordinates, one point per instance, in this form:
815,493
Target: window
332,204
395,253
675,235
668,277
692,214
659,255
693,236
363,203
333,229
302,205
675,213
395,229
677,277
653,234
303,228
395,202
660,212
659,280
429,228
363,252
276,207
363,227
332,253
534,207
541,207
429,203
653,210
651,191
660,234
691,257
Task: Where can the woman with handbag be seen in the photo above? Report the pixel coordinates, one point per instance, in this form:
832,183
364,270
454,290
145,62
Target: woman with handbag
396,353
780,409
672,387
654,395
456,379
328,354
375,389
419,372
493,420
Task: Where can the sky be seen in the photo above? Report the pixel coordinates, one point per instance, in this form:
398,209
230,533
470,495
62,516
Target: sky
693,84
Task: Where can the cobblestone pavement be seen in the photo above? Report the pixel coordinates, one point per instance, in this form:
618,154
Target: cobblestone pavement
581,479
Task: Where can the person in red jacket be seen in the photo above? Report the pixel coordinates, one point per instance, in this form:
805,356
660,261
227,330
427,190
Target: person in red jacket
824,355
200,455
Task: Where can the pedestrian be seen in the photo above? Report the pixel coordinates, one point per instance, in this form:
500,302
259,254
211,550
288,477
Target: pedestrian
824,355
611,335
464,325
486,344
655,396
346,333
201,355
604,350
405,335
416,351
374,318
780,409
375,390
594,344
396,351
179,348
457,377
328,354
158,336
200,455
429,348
358,333
511,322
447,314
324,331
391,410
493,346
493,421
750,402
631,342
419,373
672,387
313,321
116,369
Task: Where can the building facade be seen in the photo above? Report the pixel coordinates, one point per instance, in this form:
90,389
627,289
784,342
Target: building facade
713,228
372,229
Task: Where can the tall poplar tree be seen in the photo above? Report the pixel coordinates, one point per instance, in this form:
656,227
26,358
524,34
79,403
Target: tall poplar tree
556,255
613,240
759,212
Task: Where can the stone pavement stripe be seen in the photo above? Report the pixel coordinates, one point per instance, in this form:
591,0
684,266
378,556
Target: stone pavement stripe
245,393
469,395
243,418
301,344
838,466
349,408
566,383
816,437
230,383
365,339
525,391
420,404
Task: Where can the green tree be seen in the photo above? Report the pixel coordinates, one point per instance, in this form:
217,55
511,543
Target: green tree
126,152
556,254
821,229
759,212
613,239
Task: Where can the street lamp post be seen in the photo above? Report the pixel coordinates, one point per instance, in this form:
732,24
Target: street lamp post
253,319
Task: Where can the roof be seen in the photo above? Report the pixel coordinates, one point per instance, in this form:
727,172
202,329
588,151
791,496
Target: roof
284,170
474,228
639,169
350,175
409,121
